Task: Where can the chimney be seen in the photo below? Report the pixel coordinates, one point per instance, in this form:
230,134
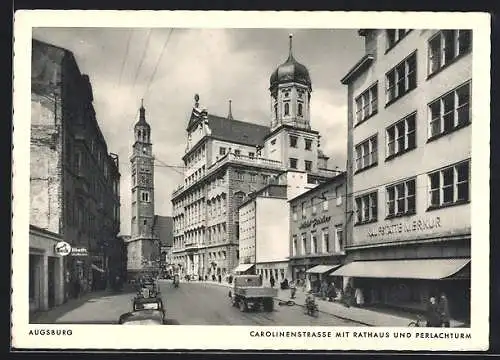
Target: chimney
230,113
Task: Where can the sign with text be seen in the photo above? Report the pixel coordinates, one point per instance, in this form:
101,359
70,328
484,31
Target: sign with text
79,251
314,222
414,226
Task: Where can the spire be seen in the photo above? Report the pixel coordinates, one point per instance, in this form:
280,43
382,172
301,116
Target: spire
142,112
290,54
230,113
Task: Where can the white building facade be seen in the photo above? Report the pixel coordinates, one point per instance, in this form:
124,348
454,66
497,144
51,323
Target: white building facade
409,151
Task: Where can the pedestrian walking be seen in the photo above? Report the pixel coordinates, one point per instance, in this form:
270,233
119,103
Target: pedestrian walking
272,281
292,289
433,317
444,311
348,294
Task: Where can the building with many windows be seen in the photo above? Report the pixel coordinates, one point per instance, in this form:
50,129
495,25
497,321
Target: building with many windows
226,159
316,238
409,150
74,181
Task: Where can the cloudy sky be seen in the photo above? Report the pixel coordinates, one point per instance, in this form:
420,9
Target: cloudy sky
125,65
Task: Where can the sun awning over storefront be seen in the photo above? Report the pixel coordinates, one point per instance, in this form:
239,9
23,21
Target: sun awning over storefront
321,269
430,269
242,267
97,268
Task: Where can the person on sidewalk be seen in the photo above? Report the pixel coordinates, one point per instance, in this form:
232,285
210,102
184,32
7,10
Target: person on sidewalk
433,318
358,295
292,289
444,310
271,281
348,294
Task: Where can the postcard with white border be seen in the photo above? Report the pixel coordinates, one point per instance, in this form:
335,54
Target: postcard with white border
251,180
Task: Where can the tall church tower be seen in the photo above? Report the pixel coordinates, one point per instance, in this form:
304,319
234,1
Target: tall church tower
290,88
142,237
291,140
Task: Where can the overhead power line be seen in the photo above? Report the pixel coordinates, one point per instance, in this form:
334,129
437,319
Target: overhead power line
125,56
144,51
153,74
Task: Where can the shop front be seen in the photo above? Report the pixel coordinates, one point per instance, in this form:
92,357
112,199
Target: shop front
310,272
278,271
409,283
46,270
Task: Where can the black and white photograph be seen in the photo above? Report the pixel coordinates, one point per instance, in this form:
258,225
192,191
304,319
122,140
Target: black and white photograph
311,183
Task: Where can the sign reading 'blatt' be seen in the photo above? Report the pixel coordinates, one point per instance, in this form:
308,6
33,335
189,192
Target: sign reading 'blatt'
79,252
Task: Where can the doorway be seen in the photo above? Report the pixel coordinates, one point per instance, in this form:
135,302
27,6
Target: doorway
51,282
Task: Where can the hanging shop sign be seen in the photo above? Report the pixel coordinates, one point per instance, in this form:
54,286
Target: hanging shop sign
314,222
62,248
79,251
417,225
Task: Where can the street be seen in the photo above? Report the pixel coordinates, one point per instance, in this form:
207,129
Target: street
197,303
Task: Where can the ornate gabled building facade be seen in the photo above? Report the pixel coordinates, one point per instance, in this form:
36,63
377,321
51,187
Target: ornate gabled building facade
227,159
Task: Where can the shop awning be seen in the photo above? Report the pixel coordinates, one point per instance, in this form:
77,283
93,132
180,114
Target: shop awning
242,267
321,269
97,268
430,269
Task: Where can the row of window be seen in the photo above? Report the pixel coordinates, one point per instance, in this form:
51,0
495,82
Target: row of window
313,204
294,140
253,177
317,246
293,162
449,112
444,47
445,187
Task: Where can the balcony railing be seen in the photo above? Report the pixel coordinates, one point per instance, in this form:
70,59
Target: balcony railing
236,159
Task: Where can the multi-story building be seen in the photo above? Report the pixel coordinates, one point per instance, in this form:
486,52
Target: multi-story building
74,180
409,151
226,159
263,229
316,238
143,248
163,230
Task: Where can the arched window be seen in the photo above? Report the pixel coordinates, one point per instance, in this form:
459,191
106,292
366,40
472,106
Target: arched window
139,134
276,111
299,110
287,109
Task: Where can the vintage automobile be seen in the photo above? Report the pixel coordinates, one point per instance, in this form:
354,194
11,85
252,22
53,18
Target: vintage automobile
146,311
248,292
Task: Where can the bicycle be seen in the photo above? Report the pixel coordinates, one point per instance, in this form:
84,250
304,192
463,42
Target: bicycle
419,322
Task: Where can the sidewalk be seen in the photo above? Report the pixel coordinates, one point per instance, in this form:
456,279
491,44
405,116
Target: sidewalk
50,316
368,317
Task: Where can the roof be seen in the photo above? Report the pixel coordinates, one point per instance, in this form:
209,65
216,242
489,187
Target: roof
339,178
237,131
164,229
357,69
